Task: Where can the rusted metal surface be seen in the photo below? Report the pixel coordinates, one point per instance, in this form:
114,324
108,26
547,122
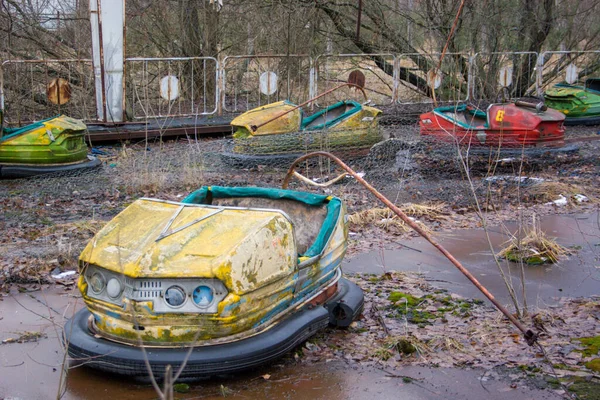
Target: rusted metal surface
159,128
529,335
58,91
323,296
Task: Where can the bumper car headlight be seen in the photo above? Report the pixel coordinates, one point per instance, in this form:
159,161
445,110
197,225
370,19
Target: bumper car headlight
175,296
114,288
203,296
97,283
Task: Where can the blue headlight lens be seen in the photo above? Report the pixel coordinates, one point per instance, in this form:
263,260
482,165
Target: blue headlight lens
174,296
203,296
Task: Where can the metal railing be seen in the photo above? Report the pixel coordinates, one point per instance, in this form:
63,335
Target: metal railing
500,75
380,75
418,73
31,90
249,81
553,67
186,86
171,87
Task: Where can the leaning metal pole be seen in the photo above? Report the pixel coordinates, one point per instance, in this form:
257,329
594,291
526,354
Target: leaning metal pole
529,335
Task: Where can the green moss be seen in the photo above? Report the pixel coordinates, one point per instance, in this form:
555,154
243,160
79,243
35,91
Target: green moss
181,387
553,382
591,345
405,347
517,257
404,299
420,317
584,389
594,365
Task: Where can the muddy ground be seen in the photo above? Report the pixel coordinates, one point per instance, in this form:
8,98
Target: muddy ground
419,323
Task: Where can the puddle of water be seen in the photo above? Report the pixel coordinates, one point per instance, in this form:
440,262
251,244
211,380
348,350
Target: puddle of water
579,275
31,370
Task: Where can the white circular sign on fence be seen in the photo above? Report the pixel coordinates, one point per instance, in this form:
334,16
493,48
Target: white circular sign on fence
169,87
505,76
571,73
434,78
268,83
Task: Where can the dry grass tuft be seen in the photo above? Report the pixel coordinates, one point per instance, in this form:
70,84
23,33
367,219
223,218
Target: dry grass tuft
386,219
534,249
148,172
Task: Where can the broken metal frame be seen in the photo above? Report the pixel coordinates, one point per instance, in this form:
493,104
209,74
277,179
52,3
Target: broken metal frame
529,335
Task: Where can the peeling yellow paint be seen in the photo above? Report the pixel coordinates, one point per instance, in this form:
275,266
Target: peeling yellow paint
287,123
251,251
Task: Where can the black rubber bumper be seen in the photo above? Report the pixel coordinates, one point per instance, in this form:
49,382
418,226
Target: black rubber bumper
25,171
530,152
583,121
212,360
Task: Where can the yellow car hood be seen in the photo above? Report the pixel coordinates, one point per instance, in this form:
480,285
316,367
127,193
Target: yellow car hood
244,248
289,122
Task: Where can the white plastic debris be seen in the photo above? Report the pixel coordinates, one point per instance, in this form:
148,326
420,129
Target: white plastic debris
361,174
522,180
64,275
561,201
580,198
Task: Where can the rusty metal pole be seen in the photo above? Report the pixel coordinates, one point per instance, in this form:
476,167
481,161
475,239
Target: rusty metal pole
529,335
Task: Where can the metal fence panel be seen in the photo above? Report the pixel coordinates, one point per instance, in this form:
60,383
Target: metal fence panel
332,70
500,75
37,89
171,86
552,67
417,73
249,81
